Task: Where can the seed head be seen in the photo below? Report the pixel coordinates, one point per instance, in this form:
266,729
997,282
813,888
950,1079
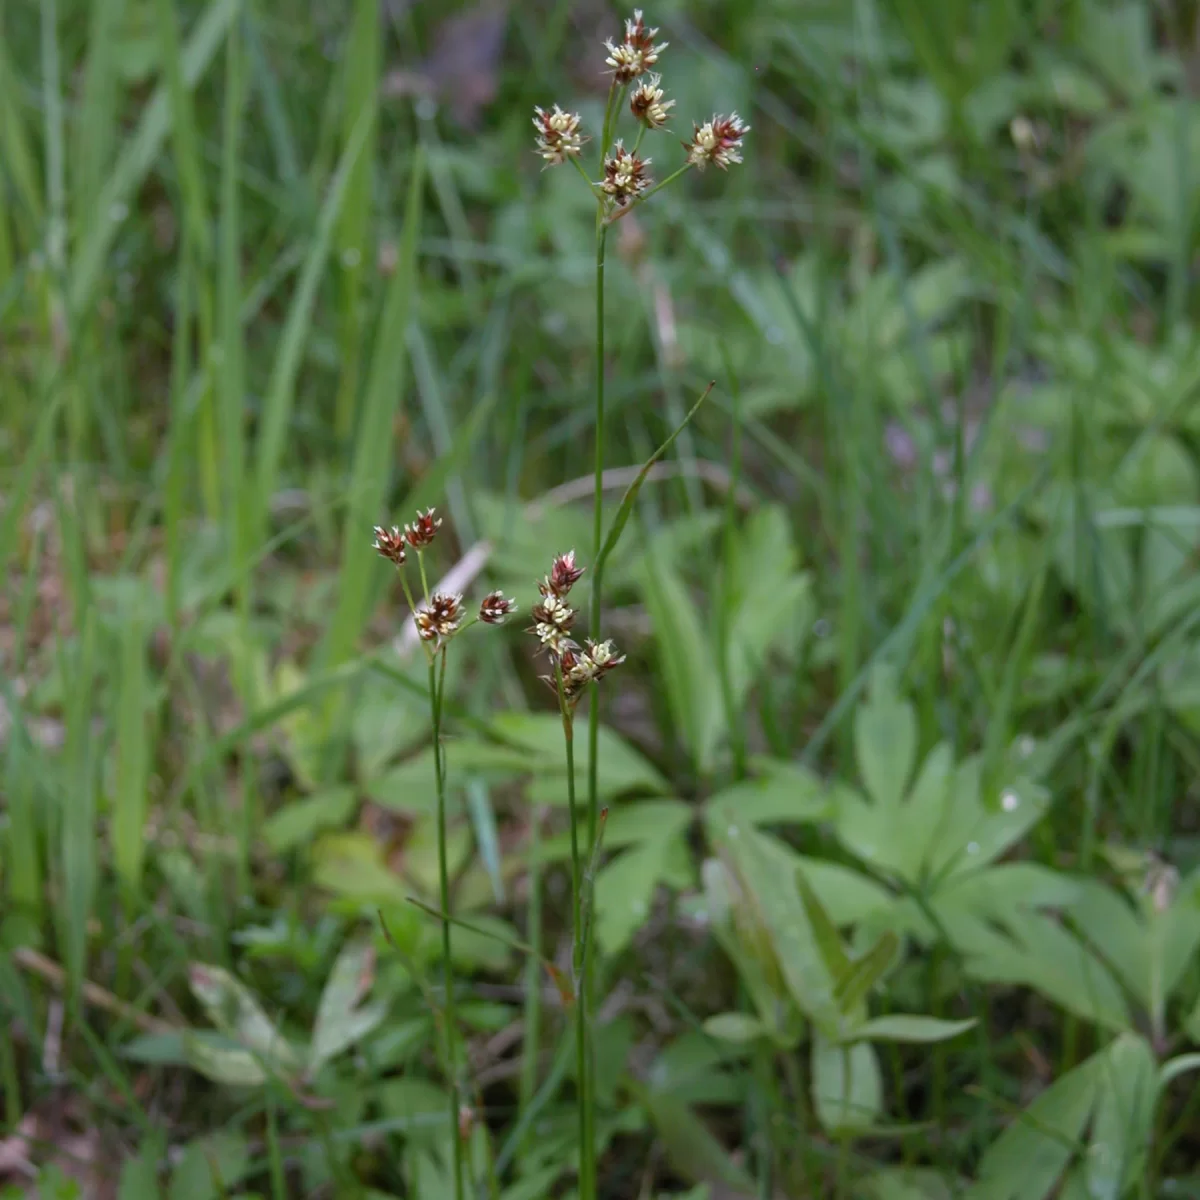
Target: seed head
718,141
495,608
423,530
441,617
581,667
390,544
647,103
637,53
564,575
625,175
558,135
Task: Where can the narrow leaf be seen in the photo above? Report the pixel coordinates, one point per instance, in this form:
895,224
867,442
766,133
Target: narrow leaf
627,501
904,1027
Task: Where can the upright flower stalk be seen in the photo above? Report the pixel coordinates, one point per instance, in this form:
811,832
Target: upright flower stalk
575,669
438,619
624,184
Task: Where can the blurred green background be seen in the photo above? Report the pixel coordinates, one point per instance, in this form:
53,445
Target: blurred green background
272,272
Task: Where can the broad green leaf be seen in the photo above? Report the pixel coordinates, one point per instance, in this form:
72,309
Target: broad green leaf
787,794
847,1088
690,1146
299,821
351,865
766,874
901,1183
1042,955
221,1061
903,1027
740,929
235,1011
340,1019
1027,1159
210,1167
686,662
885,741
848,897
734,1027
625,889
921,816
1122,1126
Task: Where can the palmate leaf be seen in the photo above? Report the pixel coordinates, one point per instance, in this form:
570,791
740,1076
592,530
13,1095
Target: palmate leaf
341,1017
236,1012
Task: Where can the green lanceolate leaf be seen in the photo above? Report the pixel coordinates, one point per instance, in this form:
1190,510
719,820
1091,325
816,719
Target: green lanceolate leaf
863,974
906,1027
630,497
847,1088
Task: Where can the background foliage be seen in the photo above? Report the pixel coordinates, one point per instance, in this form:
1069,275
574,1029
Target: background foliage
901,888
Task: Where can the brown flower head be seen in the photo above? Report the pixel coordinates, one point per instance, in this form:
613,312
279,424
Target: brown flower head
625,175
495,608
581,667
564,575
441,617
637,53
647,103
558,135
718,141
390,544
423,530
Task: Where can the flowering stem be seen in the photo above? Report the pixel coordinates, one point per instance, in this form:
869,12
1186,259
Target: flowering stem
587,1187
626,209
610,111
437,688
592,186
424,580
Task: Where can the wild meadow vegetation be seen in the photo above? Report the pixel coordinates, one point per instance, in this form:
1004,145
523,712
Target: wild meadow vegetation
769,771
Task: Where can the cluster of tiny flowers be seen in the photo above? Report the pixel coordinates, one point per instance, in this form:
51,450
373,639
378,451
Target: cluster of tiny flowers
637,53
441,617
558,135
625,176
718,141
423,530
647,103
553,618
390,544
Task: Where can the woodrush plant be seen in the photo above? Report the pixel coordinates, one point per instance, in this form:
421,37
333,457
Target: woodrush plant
625,184
438,620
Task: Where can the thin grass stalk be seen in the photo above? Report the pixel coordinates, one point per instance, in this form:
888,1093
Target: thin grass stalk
533,970
587,1187
437,687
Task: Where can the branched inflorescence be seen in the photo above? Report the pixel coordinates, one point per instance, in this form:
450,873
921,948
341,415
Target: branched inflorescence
438,617
553,618
626,177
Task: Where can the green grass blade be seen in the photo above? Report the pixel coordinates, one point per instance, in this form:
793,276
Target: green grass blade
369,475
361,65
134,756
141,151
281,390
630,497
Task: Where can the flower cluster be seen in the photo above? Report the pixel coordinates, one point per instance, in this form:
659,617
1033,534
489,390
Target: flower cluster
440,617
718,141
558,136
625,176
553,618
637,53
647,103
626,179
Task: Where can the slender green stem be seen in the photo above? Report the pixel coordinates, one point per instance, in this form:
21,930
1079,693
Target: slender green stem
437,687
592,185
626,209
533,969
424,579
587,1185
